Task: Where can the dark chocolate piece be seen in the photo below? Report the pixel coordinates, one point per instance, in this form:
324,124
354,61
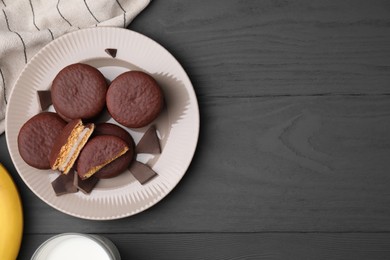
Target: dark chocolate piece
44,97
149,142
86,186
142,172
111,52
64,184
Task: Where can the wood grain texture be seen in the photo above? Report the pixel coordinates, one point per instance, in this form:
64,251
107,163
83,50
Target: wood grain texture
261,48
269,164
241,246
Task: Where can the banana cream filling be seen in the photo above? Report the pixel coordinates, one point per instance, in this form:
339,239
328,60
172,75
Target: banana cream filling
71,149
74,148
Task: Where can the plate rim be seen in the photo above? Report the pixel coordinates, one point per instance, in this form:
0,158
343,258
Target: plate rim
196,120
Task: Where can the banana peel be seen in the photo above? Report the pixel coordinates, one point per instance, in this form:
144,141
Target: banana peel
11,217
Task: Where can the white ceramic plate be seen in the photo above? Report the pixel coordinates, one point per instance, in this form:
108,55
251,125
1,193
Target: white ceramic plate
178,125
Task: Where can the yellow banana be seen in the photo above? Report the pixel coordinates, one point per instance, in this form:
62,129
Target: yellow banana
11,217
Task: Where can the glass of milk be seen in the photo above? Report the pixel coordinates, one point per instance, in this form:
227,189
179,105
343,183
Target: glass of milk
77,246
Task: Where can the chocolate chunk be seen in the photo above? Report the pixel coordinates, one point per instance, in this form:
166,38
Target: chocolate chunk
44,97
64,184
149,142
142,172
111,52
86,186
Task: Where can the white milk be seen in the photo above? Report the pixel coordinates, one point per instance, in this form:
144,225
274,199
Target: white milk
76,247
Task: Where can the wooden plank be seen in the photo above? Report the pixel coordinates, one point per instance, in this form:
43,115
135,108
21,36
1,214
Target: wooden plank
268,164
257,48
240,246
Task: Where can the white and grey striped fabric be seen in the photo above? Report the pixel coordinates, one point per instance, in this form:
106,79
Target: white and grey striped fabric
28,25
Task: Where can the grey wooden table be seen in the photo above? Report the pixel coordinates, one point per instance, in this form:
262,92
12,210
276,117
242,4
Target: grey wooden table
293,160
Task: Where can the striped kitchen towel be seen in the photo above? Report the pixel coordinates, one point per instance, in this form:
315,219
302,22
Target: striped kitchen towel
28,25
